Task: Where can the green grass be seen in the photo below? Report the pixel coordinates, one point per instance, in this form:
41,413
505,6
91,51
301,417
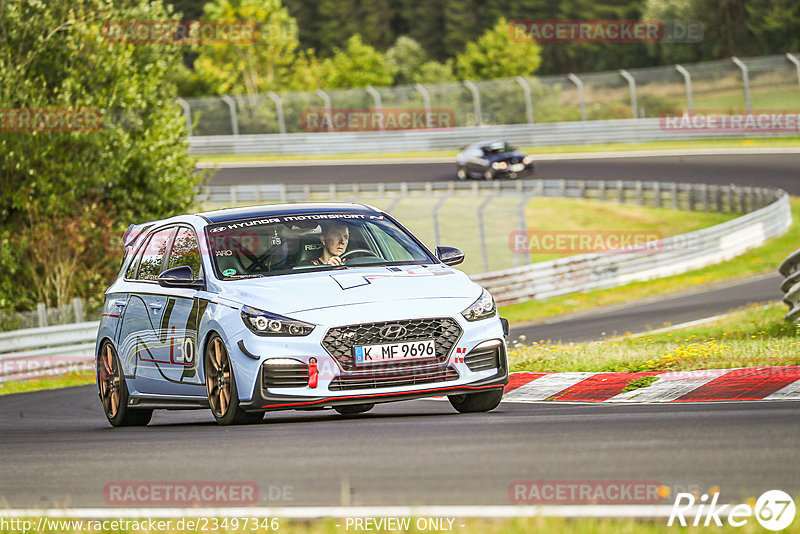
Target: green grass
47,382
763,259
755,336
556,149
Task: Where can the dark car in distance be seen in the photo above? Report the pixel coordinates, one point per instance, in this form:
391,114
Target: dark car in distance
492,159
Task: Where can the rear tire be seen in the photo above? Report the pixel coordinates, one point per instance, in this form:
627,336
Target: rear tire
477,402
353,409
223,397
113,391
488,174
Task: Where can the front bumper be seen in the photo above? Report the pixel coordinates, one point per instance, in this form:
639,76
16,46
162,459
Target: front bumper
477,362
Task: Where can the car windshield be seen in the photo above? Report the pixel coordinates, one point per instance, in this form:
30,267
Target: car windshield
274,245
497,148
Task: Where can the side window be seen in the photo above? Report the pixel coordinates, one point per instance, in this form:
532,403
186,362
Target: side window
130,274
154,249
186,252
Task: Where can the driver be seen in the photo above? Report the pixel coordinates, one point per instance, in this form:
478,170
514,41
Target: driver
335,237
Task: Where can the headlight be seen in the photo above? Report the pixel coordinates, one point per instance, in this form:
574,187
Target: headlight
480,309
527,160
499,165
264,323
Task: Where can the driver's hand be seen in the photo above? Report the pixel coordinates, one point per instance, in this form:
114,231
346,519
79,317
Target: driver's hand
335,260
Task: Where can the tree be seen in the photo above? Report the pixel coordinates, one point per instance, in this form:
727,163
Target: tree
66,196
497,55
406,57
267,64
358,65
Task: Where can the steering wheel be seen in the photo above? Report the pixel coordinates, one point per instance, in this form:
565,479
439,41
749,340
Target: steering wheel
361,251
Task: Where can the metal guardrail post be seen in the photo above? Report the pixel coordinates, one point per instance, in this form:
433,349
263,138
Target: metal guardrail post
657,194
482,231
745,82
328,111
188,112
632,86
526,89
796,62
426,101
476,101
376,97
620,191
687,80
279,110
41,310
234,119
77,306
581,96
674,191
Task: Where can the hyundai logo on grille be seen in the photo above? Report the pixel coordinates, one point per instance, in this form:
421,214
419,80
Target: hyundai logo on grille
393,332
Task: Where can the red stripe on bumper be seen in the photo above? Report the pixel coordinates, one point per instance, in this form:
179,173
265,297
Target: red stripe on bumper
744,384
599,387
516,380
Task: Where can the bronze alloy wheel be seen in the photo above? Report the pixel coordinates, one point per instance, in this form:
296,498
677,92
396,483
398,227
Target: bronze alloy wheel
221,387
218,378
109,381
113,391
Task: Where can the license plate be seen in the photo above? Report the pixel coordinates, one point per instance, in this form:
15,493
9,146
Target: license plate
408,350
517,167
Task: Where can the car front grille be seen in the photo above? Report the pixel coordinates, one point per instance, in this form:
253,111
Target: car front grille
482,359
284,376
394,378
339,341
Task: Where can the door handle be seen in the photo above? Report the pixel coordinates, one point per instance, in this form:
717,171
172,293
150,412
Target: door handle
156,306
120,303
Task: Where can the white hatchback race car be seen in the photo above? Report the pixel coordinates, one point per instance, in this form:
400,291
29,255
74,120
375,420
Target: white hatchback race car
303,306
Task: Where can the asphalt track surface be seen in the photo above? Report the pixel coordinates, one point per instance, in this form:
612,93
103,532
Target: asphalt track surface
776,170
58,450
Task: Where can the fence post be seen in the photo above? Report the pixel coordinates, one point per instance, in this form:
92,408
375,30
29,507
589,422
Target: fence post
639,193
632,85
234,198
657,194
279,110
476,101
523,225
326,100
674,188
796,62
436,236
601,190
41,310
188,112
376,97
745,82
687,80
620,192
234,119
426,100
704,188
77,306
581,97
482,231
526,89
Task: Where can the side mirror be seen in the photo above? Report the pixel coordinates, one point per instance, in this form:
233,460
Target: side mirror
449,255
180,277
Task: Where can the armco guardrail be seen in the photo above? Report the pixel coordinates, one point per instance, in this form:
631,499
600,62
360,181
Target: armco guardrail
553,133
51,350
790,268
673,255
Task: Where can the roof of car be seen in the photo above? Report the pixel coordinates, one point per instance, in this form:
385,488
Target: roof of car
250,212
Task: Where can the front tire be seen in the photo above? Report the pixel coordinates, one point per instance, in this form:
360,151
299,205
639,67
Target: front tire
113,391
461,173
477,402
221,386
488,174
